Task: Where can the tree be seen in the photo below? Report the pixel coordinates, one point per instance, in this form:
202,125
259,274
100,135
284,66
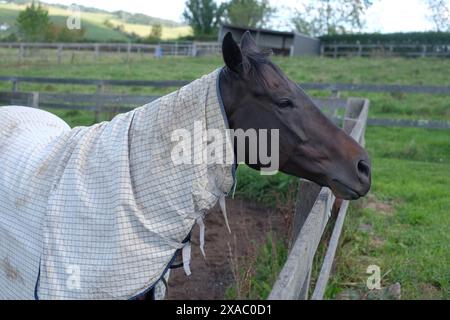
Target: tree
249,13
440,14
63,34
156,32
203,16
331,16
33,23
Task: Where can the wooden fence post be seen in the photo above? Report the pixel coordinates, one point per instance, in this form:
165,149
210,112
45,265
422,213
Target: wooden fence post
35,100
128,52
60,49
304,292
327,265
294,276
351,114
15,85
97,52
21,52
307,194
98,105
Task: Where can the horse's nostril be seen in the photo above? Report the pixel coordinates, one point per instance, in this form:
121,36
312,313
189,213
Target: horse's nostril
363,168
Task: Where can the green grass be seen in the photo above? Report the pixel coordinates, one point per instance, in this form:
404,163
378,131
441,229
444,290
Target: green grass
255,275
410,244
407,214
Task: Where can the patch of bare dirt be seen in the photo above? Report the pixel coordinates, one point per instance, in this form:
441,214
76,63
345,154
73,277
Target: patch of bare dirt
384,208
377,242
392,292
429,291
250,224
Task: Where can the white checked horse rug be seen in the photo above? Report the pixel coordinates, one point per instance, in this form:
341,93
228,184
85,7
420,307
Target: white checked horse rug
99,212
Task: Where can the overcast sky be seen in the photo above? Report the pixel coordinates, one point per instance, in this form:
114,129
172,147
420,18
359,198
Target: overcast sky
383,16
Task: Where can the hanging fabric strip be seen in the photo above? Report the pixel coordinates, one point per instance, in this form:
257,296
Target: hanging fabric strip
201,226
224,211
186,253
234,188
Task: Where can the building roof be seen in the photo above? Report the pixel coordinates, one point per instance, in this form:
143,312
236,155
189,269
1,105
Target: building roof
275,32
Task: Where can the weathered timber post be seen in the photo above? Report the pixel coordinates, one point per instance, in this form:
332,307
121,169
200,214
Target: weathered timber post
128,52
98,105
97,51
60,50
35,100
21,52
15,85
307,194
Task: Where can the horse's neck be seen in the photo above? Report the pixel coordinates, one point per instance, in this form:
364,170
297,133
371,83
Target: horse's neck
153,124
230,94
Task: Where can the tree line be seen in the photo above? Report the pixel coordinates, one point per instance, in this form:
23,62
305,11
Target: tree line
314,18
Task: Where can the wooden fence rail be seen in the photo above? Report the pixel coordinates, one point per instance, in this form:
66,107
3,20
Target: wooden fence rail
332,87
128,49
367,50
311,216
187,48
124,102
114,103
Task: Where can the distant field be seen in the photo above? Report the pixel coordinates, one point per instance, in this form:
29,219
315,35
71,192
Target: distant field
93,23
402,226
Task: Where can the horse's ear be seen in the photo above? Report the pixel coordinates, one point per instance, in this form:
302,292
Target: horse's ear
232,54
248,44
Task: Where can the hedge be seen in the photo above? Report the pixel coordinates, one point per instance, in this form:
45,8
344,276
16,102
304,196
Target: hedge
389,38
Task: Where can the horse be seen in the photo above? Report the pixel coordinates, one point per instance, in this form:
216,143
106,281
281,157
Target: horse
104,212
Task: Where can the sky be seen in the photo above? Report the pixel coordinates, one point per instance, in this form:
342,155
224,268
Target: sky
383,16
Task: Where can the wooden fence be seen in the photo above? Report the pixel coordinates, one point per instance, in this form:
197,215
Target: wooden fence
185,48
385,50
312,213
25,50
114,103
118,103
332,87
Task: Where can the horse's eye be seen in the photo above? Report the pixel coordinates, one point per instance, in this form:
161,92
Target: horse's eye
285,103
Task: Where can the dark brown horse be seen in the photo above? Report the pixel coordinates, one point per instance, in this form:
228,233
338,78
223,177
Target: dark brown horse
258,95
101,191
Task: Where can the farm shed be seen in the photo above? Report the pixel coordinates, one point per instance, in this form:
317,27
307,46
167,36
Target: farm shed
281,42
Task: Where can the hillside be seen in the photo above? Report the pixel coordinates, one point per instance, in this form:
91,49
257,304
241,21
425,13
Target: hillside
93,20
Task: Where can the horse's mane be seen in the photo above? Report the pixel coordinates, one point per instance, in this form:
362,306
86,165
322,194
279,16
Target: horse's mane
254,63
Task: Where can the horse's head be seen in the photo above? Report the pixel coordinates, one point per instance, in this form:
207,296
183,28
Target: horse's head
258,95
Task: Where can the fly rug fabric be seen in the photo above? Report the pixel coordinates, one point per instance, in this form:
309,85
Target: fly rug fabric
99,212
